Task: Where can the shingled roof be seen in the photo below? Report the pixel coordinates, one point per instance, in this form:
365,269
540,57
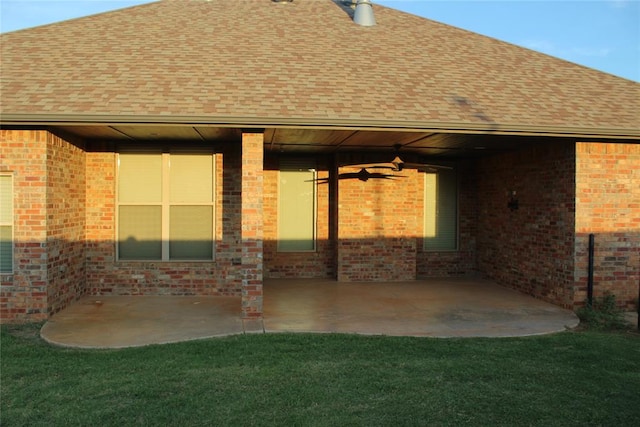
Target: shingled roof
300,63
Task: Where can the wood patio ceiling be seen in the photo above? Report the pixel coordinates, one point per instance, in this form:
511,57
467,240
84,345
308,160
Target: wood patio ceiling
304,140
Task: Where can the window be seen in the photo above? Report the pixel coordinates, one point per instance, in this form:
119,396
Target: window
296,207
6,224
166,206
441,211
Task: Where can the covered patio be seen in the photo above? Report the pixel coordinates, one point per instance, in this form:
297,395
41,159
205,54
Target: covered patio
461,307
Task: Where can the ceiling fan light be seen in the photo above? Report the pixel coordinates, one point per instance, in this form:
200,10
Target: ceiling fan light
398,163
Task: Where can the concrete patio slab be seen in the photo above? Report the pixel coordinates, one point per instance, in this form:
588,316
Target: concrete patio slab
131,321
430,308
434,307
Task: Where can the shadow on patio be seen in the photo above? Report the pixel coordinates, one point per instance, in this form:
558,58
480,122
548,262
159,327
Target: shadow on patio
431,308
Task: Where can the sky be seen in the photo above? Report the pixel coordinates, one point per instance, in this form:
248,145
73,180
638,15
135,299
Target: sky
600,34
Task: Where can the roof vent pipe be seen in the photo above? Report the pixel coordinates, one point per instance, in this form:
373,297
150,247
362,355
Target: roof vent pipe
364,14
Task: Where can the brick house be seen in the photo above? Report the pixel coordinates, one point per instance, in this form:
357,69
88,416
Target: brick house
199,147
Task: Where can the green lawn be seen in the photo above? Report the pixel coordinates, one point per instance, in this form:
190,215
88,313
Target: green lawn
571,378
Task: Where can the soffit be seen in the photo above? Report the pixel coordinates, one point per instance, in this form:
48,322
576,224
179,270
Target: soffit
427,144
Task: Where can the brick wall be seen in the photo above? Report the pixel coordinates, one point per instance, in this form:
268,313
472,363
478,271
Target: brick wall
65,223
49,227
23,295
100,221
399,203
608,205
377,226
529,249
228,268
107,276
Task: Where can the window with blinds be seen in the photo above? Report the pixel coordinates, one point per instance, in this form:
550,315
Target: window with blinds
297,206
441,211
166,206
6,224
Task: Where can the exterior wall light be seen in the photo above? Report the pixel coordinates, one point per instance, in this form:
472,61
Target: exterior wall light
512,200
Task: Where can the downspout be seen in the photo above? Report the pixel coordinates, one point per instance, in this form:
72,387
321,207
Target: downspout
590,271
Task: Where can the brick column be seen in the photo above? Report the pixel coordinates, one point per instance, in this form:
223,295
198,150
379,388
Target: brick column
252,224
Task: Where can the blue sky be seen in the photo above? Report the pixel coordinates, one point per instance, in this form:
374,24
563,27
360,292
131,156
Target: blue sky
600,34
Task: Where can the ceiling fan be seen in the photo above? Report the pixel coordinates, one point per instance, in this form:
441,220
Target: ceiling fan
363,175
398,165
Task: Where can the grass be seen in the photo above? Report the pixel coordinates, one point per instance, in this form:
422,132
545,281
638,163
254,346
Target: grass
571,378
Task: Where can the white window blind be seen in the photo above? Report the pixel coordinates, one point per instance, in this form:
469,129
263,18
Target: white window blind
296,206
140,232
441,211
6,224
140,178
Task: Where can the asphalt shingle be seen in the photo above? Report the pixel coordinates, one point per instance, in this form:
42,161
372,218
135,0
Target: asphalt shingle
305,62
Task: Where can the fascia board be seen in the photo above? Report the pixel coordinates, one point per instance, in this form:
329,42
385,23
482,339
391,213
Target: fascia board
320,123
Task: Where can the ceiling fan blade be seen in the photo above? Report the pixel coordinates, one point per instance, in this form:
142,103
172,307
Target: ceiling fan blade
385,176
425,166
319,180
370,166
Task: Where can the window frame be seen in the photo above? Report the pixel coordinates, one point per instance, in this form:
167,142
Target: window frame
425,246
301,165
11,223
166,204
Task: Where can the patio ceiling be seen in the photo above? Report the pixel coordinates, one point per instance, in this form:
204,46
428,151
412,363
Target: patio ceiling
454,144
